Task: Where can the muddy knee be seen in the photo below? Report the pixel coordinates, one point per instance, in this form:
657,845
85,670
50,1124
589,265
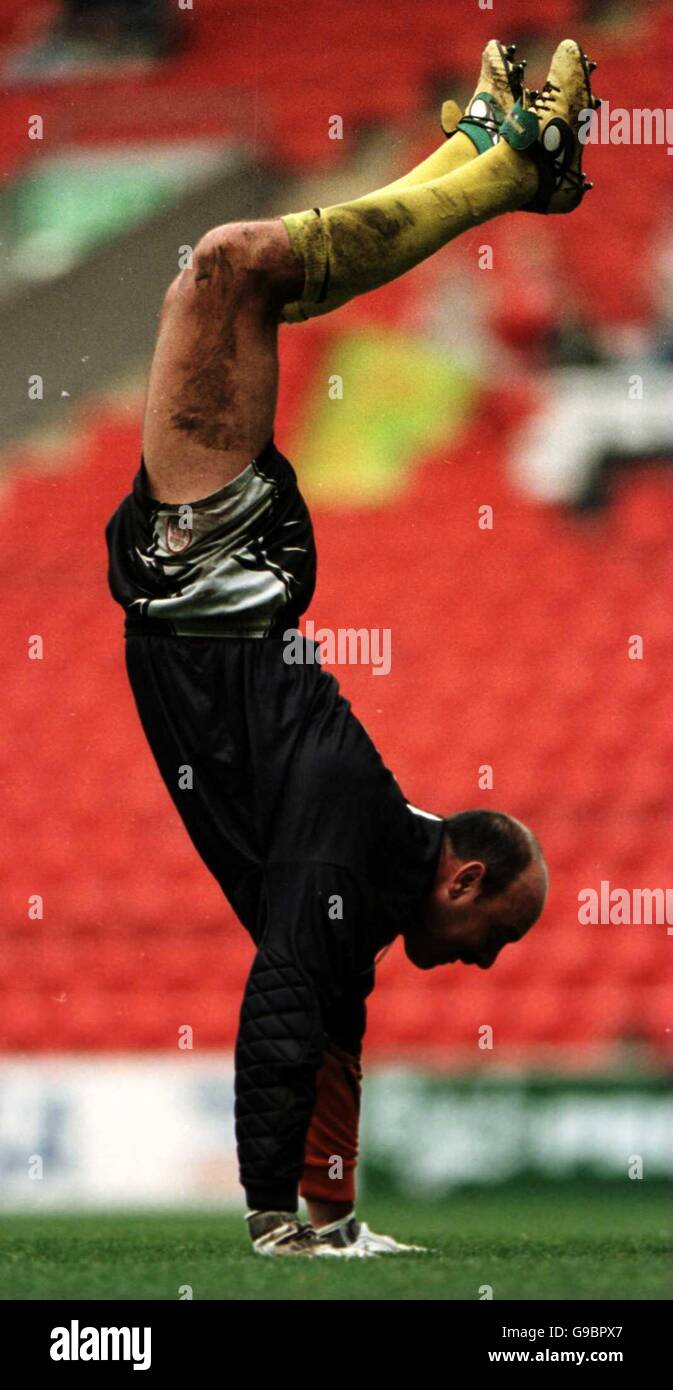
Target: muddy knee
255,256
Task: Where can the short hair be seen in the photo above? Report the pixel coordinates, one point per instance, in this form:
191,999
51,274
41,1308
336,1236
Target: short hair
504,845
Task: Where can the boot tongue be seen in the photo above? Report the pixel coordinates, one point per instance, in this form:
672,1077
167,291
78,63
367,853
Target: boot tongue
521,128
450,116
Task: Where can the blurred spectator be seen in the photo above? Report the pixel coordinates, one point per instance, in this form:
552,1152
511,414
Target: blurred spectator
124,24
90,32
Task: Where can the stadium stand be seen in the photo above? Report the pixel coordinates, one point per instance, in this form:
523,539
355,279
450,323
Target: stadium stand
487,668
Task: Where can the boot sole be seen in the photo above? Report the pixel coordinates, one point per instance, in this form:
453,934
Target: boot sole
576,167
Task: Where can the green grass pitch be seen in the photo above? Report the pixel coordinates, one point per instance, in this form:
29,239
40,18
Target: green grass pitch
579,1244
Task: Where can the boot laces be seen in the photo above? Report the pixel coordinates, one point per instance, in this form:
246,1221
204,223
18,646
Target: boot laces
546,97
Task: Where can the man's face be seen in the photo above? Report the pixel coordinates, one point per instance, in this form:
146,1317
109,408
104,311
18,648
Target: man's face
462,924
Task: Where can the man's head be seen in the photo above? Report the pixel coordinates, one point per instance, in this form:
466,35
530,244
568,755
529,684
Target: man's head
490,888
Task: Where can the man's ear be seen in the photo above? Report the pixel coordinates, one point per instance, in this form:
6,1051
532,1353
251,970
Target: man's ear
466,882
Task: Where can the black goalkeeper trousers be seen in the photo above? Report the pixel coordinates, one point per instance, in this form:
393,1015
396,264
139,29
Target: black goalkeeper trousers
255,754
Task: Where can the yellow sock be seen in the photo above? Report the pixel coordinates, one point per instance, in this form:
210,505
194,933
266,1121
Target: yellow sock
355,247
451,155
454,152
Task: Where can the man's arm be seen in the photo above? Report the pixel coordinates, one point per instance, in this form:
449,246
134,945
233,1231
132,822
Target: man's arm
303,987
